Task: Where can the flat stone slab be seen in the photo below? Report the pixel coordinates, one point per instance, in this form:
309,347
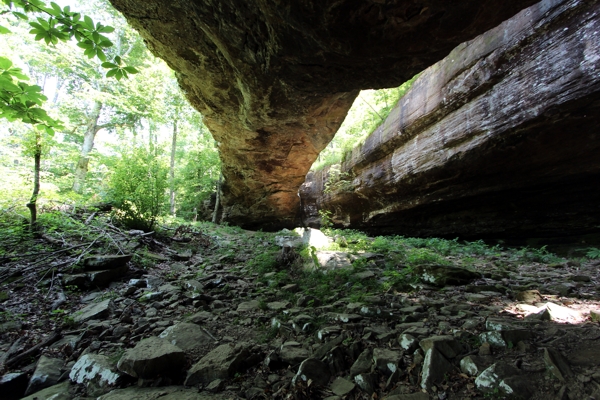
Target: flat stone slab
152,357
248,306
186,336
93,311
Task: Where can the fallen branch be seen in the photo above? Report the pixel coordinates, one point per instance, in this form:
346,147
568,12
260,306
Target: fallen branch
55,337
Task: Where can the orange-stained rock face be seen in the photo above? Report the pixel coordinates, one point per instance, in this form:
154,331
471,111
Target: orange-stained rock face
501,138
274,79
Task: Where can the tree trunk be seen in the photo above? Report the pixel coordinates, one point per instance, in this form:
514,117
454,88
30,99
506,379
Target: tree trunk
32,205
91,130
172,168
218,200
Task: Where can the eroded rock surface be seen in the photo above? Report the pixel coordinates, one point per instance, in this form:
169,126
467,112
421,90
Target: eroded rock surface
499,138
274,80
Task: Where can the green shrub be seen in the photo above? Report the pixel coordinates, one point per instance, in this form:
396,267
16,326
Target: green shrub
138,189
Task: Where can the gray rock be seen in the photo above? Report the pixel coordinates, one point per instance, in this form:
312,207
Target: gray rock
314,370
529,296
366,382
447,345
56,392
152,357
345,318
220,363
278,305
557,364
96,372
248,306
193,285
558,313
334,259
46,374
293,353
341,386
363,363
435,366
186,336
162,393
13,385
100,262
106,276
387,361
441,275
474,365
408,342
94,311
491,377
518,386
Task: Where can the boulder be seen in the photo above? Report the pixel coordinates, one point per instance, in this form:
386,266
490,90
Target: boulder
313,370
435,367
47,373
59,391
96,372
186,336
152,357
221,363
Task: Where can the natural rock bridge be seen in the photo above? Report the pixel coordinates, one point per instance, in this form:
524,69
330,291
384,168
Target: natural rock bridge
274,81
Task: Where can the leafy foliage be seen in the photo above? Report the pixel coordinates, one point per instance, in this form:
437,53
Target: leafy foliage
369,111
138,188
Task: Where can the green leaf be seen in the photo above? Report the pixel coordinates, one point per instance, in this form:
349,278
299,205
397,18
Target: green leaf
9,86
112,72
4,30
131,70
100,54
20,15
37,26
109,65
106,29
118,60
5,63
89,22
86,44
91,53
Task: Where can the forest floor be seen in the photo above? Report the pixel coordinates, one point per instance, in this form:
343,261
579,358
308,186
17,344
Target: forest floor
201,311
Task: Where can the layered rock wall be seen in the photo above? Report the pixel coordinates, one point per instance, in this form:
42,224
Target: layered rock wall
275,79
502,137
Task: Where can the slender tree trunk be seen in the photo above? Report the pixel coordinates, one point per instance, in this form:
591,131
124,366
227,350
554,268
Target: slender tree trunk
218,200
172,168
32,205
88,144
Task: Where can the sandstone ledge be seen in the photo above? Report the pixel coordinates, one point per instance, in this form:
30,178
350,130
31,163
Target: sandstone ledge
499,138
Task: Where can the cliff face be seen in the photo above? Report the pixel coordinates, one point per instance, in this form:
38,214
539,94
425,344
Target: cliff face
501,137
275,79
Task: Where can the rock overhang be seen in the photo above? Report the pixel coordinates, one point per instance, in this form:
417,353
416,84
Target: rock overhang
274,80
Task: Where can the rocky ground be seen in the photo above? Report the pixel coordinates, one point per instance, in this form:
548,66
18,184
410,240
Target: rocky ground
221,313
